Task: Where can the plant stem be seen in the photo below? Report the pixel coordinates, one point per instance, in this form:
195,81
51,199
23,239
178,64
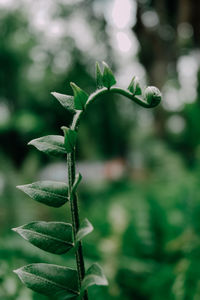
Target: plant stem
72,170
113,90
75,218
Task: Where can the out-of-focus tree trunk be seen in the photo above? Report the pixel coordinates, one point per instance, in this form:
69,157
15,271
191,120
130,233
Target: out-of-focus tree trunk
160,49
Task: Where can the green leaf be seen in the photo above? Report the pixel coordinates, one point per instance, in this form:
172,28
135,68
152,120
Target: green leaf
84,229
76,182
108,77
134,86
93,276
51,280
50,144
65,100
51,193
99,76
80,97
53,237
70,139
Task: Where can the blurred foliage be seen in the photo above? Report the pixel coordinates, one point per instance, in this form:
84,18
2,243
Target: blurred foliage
147,223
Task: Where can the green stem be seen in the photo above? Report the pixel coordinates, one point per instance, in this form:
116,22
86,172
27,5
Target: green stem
75,219
104,91
71,168
120,91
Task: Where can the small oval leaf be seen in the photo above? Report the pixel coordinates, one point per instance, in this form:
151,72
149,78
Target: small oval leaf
70,138
84,229
80,97
51,193
93,276
58,282
53,237
50,144
65,100
108,77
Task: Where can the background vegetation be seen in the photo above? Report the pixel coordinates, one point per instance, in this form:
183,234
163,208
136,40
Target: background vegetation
141,168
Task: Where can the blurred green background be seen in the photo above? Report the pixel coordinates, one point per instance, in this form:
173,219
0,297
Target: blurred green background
140,168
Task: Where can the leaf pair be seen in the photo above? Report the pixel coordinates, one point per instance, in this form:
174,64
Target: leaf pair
106,79
54,237
134,86
58,282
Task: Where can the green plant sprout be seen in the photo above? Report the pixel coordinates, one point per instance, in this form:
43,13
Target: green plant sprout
55,281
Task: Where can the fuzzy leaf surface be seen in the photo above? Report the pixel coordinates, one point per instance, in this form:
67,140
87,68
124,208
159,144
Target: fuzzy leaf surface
50,144
57,282
108,77
65,100
70,139
94,276
84,229
51,193
53,237
80,97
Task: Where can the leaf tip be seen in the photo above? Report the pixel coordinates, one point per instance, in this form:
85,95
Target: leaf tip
16,271
19,187
63,128
72,84
14,229
105,64
79,176
30,143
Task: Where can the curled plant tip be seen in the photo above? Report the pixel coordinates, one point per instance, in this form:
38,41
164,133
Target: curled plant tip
152,95
134,86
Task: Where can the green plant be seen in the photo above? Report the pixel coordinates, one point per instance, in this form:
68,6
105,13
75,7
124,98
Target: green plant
58,237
